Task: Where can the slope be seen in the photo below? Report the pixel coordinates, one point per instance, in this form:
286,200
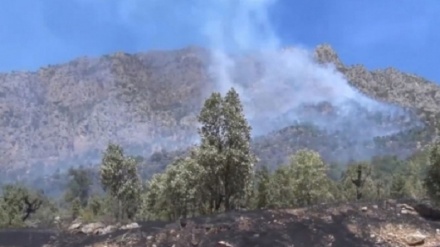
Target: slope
65,114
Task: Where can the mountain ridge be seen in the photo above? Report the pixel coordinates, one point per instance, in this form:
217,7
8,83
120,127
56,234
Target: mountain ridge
62,112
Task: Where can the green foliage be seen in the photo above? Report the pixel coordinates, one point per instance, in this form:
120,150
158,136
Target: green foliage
17,204
154,202
79,184
263,180
282,189
96,205
75,208
303,182
119,177
414,174
176,192
398,186
12,203
432,179
310,178
357,182
225,152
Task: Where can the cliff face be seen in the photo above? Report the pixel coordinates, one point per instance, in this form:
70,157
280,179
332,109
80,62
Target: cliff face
66,114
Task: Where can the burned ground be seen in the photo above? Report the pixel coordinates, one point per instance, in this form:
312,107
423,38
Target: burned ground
385,223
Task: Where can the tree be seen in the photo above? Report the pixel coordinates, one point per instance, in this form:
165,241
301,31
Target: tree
119,177
263,179
225,151
311,183
432,179
79,185
75,208
154,202
18,203
302,182
362,172
175,193
357,183
398,186
282,194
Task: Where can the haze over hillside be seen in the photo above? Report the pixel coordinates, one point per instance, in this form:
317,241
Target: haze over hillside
150,101
65,114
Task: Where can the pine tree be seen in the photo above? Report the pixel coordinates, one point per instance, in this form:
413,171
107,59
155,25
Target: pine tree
311,183
79,185
263,178
225,151
119,177
398,185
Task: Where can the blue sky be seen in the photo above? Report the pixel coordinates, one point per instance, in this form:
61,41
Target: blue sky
377,33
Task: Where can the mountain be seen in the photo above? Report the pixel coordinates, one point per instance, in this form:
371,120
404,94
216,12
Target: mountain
63,115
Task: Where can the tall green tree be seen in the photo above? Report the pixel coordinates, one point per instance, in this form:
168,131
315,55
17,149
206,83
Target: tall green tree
282,188
175,193
398,186
263,179
119,177
312,185
79,184
302,182
225,151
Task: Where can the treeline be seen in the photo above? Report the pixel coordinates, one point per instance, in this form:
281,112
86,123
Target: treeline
218,175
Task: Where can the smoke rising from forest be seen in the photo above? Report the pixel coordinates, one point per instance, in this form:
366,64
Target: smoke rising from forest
277,84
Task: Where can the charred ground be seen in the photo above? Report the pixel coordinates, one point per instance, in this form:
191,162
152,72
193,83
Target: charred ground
379,223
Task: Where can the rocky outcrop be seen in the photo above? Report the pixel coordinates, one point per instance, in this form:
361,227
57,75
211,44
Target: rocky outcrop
98,228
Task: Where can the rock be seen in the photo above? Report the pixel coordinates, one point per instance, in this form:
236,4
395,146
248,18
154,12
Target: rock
406,209
415,239
404,205
92,228
364,209
375,206
224,244
74,226
106,230
133,225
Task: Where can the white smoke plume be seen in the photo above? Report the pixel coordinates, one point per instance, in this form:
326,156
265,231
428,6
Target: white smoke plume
276,82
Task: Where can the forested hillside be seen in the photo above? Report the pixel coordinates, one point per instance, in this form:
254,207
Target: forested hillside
64,115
